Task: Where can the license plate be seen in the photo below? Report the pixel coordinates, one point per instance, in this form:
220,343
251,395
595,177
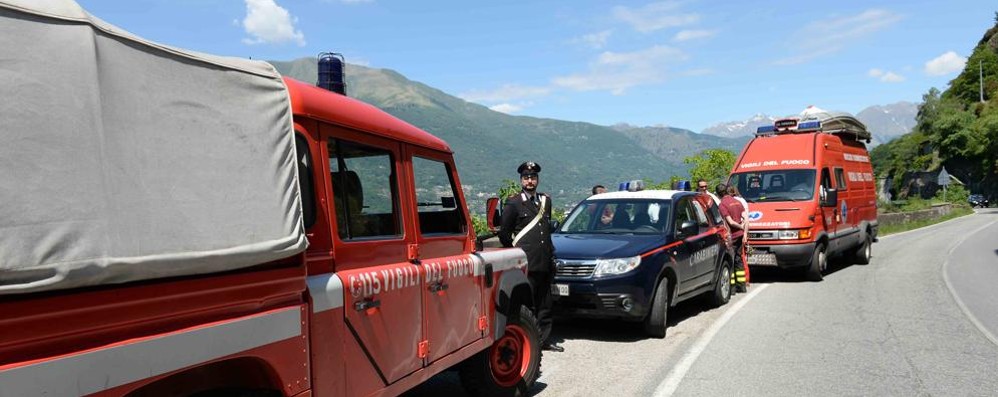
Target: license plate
762,259
559,289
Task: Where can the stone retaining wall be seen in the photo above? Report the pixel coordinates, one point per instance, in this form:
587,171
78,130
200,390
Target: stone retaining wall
936,211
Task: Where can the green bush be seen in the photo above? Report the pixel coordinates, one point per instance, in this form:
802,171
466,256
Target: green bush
956,194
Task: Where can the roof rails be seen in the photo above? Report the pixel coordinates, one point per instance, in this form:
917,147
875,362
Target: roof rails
814,119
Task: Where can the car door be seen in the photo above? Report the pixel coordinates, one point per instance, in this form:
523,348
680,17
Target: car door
682,253
703,246
452,297
372,236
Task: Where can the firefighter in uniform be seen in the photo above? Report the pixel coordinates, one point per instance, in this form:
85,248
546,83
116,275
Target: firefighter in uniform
526,223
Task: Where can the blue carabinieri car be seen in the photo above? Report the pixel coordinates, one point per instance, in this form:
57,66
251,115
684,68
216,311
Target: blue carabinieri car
632,255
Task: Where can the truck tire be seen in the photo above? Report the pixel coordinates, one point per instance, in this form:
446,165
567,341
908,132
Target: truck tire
511,365
819,262
864,252
658,314
722,289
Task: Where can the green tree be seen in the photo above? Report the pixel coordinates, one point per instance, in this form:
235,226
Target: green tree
712,165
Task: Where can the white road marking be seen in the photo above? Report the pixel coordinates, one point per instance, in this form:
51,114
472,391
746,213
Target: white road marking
959,302
676,375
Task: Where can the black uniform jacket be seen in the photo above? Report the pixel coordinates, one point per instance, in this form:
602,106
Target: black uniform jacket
518,212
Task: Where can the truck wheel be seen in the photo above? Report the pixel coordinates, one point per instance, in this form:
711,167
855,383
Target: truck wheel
511,365
655,323
819,262
722,289
864,252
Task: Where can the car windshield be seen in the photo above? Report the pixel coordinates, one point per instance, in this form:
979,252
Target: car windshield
619,216
781,185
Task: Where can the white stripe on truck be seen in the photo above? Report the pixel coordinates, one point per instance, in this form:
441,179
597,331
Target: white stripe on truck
103,369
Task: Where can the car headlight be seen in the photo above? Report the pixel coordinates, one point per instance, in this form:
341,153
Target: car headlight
794,234
613,266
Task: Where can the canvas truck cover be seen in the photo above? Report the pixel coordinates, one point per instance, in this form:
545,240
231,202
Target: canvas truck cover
124,160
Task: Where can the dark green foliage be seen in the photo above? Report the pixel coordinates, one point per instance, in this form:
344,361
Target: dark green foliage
955,128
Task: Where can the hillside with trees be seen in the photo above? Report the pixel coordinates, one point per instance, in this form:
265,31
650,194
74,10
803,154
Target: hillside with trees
956,129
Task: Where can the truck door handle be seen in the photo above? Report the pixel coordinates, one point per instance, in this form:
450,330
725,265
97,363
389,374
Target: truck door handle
437,287
366,304
489,275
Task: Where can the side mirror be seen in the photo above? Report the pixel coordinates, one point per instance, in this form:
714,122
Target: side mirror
830,198
493,213
688,228
555,225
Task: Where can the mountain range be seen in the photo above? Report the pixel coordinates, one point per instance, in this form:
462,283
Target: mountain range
489,145
885,122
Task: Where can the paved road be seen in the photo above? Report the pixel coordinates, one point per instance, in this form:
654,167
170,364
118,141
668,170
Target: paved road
897,326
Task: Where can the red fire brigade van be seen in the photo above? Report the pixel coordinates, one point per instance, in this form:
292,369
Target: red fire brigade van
178,224
811,192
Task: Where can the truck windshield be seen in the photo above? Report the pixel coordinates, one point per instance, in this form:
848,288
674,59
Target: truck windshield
780,185
622,216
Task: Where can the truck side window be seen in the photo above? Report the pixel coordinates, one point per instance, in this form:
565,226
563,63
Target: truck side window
826,182
840,179
365,191
306,181
436,198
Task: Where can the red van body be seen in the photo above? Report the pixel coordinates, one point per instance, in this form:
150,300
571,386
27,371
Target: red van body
811,192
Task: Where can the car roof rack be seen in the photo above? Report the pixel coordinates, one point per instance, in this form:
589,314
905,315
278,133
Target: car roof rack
814,119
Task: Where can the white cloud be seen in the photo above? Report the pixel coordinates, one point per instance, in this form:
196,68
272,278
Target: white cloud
507,108
885,77
655,16
945,64
268,22
507,92
595,40
619,71
686,35
825,37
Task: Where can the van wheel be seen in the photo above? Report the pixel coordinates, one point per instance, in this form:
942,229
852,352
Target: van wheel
864,252
655,323
722,289
819,262
511,365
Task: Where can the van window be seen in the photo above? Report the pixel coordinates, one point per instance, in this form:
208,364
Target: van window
306,181
436,198
777,185
826,179
365,191
840,180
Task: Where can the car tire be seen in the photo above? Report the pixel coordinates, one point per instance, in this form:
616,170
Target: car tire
511,365
864,252
819,262
658,315
722,288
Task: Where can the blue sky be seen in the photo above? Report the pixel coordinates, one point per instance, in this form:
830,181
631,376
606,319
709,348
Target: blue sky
686,64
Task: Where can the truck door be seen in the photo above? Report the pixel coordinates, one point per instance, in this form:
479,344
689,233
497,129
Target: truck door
452,293
372,236
828,213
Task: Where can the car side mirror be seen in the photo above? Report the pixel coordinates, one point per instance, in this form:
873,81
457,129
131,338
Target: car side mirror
492,214
688,228
555,225
830,198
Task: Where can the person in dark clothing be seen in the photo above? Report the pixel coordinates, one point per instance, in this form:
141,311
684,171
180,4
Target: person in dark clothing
526,223
733,213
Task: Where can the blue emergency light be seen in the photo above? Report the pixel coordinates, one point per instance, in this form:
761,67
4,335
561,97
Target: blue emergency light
631,186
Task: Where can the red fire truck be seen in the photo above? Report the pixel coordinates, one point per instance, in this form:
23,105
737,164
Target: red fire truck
180,224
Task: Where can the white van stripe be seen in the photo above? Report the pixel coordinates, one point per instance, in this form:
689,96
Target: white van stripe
326,291
103,369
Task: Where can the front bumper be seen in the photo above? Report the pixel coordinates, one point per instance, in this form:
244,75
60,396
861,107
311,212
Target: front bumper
781,255
602,299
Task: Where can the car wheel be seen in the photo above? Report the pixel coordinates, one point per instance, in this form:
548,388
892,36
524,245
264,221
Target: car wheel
655,323
511,365
819,262
722,289
864,252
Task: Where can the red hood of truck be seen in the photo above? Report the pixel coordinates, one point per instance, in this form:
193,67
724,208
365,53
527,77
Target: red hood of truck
781,215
